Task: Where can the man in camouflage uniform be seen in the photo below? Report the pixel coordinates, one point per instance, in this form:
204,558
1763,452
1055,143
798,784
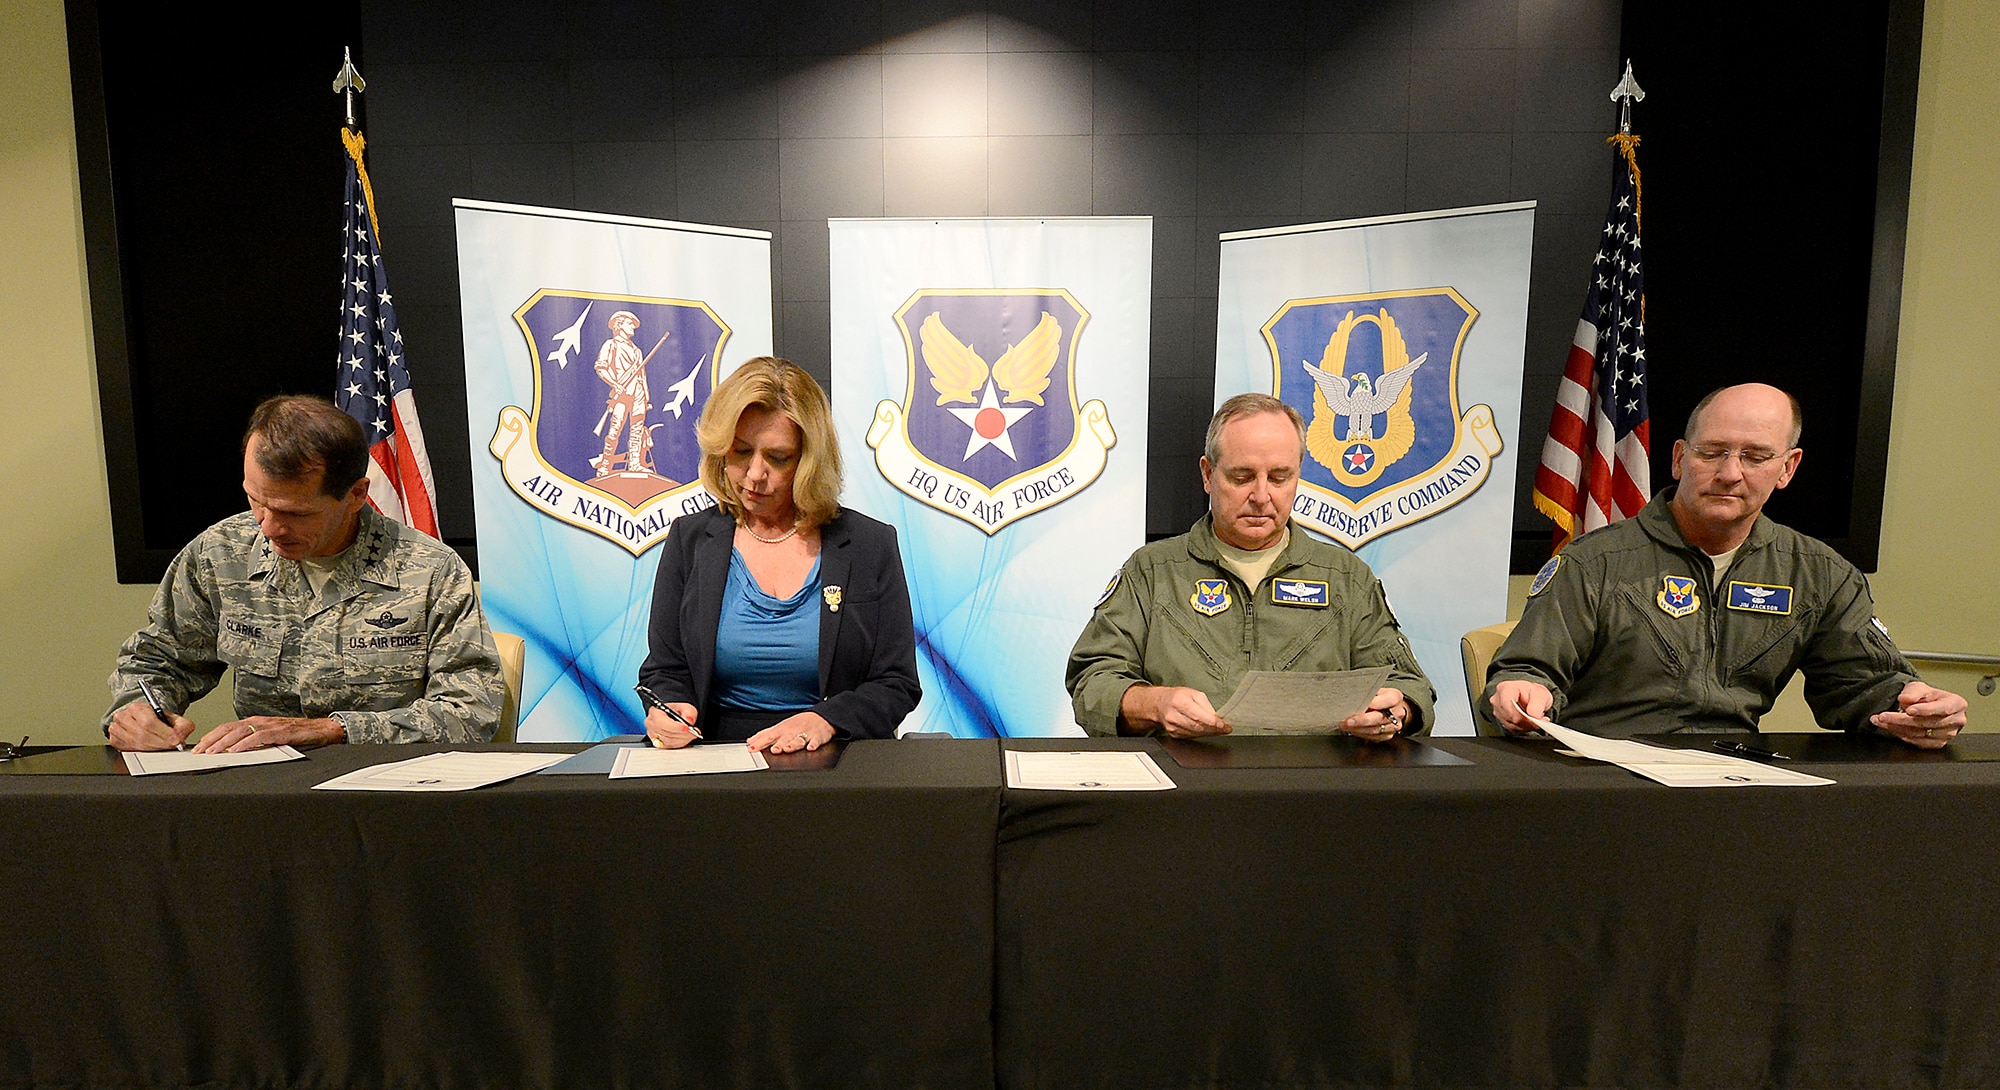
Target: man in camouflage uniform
1694,614
341,625
1187,617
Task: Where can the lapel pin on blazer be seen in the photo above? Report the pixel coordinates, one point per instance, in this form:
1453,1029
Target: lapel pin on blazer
832,596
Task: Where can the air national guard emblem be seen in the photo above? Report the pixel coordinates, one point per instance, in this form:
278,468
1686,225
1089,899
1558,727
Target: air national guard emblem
1376,378
1677,597
989,429
1210,597
619,381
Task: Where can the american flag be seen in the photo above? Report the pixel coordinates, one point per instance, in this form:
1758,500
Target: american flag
1594,467
374,381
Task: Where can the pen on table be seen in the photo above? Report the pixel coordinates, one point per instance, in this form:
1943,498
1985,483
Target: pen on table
652,700
154,701
1748,751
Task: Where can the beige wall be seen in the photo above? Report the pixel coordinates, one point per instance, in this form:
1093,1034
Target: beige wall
62,611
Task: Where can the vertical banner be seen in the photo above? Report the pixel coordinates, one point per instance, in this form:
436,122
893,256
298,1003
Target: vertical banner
989,387
1400,340
591,344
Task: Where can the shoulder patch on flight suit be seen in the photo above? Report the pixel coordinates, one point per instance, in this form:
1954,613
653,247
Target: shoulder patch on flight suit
1210,597
1760,597
1543,577
1311,593
1109,587
1677,596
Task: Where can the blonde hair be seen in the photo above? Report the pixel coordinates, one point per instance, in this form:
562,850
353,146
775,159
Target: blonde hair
782,387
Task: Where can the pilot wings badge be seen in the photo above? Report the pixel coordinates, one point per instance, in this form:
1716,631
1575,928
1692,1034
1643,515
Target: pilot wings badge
1376,378
609,446
989,429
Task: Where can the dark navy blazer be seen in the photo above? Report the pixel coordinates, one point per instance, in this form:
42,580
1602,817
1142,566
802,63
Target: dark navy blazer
867,647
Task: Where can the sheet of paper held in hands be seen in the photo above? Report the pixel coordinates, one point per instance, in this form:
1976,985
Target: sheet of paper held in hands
686,761
1102,770
1301,702
450,771
173,760
1678,767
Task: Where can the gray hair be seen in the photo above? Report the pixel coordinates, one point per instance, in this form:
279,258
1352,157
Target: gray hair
1243,405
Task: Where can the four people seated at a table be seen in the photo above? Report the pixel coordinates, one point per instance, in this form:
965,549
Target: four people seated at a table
783,620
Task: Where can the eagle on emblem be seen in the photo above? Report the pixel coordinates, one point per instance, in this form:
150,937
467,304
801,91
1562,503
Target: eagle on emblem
1022,372
1362,400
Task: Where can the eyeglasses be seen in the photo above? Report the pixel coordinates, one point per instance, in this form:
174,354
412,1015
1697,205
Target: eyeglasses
1755,458
19,749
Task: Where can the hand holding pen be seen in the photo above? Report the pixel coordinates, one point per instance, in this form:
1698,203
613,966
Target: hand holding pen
148,725
668,726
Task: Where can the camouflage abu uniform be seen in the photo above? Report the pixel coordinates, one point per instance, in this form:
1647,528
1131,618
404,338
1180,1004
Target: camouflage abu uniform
1147,630
395,648
1622,656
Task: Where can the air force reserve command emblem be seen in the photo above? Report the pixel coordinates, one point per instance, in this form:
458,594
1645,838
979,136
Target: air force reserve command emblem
619,381
989,429
1376,378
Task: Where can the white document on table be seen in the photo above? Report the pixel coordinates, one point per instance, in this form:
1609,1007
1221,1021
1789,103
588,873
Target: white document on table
1098,770
454,770
1301,701
180,760
686,761
1678,767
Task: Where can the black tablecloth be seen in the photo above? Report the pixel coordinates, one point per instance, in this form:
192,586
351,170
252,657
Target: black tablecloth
806,929
1528,921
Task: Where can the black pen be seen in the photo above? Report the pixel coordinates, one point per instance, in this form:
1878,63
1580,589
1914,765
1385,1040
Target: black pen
652,700
1747,751
158,710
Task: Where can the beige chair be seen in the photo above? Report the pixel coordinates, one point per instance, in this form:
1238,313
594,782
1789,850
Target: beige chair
1476,649
513,655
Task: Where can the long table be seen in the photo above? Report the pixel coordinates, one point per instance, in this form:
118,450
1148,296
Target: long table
903,920
236,929
1528,921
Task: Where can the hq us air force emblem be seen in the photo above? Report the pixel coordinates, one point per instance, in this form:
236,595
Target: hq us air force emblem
989,430
1376,378
619,381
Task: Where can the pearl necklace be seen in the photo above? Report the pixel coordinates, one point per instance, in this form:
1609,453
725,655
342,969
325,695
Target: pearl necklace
769,540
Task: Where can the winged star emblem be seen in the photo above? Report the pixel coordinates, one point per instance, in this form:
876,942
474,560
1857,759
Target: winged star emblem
1759,593
959,374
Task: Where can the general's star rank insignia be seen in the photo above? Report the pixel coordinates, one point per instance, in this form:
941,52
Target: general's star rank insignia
1210,597
1677,596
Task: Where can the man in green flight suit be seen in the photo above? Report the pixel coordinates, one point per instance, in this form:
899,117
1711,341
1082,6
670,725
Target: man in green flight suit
1695,613
1187,617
